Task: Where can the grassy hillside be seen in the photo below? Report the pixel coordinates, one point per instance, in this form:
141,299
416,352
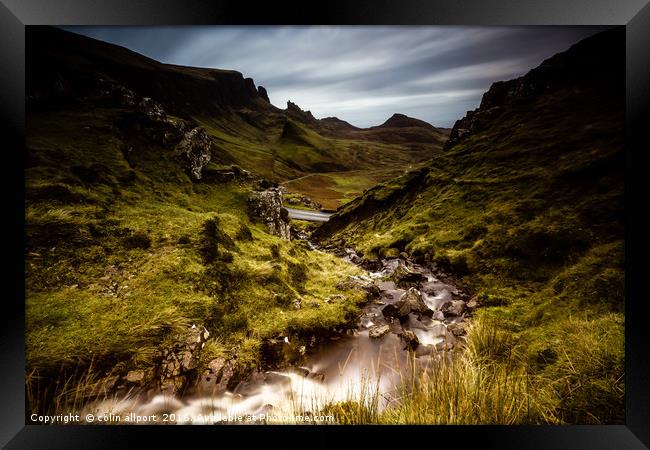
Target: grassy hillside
66,71
526,205
121,254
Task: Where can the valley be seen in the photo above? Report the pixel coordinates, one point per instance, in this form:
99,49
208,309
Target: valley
192,249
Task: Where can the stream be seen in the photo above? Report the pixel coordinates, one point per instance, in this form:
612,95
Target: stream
393,339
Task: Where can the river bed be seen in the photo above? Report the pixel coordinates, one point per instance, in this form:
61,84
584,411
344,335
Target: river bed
353,366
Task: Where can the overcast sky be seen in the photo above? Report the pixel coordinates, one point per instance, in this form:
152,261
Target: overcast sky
359,74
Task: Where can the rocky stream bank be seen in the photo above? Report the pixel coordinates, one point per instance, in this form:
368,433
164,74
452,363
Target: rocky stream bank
411,317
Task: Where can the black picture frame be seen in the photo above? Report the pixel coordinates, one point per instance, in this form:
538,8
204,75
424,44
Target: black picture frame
633,14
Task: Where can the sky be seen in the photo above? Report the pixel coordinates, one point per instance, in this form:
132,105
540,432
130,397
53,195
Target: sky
361,74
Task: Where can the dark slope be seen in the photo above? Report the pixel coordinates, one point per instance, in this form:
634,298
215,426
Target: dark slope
401,121
526,205
65,65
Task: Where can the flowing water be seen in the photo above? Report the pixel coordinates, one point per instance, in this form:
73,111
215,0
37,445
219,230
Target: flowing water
352,367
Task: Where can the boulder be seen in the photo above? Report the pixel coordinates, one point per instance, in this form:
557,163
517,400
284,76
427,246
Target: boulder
195,151
405,277
457,328
410,339
453,308
378,331
410,302
266,206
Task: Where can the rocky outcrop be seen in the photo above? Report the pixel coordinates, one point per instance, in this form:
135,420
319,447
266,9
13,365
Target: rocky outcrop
581,65
225,175
262,91
70,60
266,206
192,146
151,110
182,358
149,119
195,151
294,112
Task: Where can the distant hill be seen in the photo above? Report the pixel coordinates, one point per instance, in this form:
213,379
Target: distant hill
69,70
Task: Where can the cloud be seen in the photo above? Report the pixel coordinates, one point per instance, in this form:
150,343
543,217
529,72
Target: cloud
362,74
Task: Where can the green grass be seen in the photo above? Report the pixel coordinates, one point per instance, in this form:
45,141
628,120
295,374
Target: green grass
116,267
529,213
491,381
335,189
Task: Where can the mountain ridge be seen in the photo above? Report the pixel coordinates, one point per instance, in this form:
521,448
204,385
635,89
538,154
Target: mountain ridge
70,72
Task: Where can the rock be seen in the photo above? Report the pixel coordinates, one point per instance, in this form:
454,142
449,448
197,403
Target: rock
404,256
396,328
262,91
355,259
410,302
135,376
195,151
438,315
267,206
334,298
361,283
472,304
253,383
222,376
264,184
444,345
438,329
390,310
216,365
378,331
410,339
172,386
453,308
151,110
184,354
371,265
457,328
225,175
424,350
405,277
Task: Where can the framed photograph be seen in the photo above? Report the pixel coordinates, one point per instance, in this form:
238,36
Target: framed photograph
424,217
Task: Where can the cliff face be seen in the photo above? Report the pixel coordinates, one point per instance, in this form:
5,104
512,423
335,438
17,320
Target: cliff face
64,66
590,64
